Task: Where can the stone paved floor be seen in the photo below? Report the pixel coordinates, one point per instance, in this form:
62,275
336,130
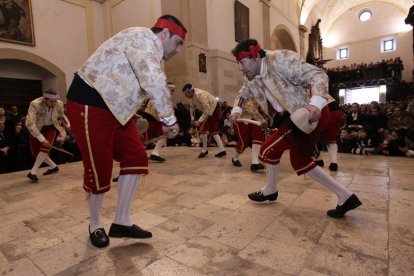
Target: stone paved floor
204,224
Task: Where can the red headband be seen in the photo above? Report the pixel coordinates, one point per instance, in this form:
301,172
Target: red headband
254,52
171,26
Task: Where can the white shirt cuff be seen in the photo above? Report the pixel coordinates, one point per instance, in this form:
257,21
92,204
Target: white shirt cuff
41,138
318,101
169,121
237,109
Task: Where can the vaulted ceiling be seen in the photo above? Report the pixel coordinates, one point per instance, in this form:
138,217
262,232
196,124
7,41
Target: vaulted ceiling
332,10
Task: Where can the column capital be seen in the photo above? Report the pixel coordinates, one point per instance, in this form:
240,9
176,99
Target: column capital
266,2
303,28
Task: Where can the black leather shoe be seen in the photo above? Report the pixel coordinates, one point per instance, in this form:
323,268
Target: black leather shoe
156,158
33,178
259,196
256,167
115,179
202,154
220,154
99,238
351,203
133,231
319,163
236,162
51,171
333,167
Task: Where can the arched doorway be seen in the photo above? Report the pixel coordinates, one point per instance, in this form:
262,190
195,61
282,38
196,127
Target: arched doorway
24,76
282,39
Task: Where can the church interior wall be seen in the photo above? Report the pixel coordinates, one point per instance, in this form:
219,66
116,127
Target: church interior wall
364,38
65,38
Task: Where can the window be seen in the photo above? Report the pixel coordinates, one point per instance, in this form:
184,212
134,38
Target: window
342,53
388,44
365,15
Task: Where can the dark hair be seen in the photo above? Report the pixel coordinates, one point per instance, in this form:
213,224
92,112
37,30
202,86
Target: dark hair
170,18
401,132
187,86
243,46
410,134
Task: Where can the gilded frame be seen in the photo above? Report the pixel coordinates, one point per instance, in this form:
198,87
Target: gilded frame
16,22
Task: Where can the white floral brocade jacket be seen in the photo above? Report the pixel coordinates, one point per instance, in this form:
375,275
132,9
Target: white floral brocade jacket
36,116
127,68
203,101
284,74
251,111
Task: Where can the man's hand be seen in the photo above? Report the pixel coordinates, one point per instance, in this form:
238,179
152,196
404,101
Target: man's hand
403,149
5,150
314,113
171,131
195,123
61,137
46,144
234,116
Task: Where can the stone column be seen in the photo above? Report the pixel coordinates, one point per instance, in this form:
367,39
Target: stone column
410,20
266,23
302,31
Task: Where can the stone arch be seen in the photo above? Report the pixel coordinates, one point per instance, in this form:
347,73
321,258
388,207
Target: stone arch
56,77
282,39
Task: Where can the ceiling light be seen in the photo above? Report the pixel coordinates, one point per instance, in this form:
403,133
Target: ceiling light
365,15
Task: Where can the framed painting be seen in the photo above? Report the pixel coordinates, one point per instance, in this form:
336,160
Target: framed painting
241,21
16,22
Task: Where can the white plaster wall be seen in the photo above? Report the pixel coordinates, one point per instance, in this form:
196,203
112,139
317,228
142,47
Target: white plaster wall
364,38
369,51
130,13
100,24
60,35
220,22
285,14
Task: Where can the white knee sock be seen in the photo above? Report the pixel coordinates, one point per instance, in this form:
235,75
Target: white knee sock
127,187
158,146
39,160
95,204
204,141
255,153
218,142
236,156
272,172
50,162
333,152
319,175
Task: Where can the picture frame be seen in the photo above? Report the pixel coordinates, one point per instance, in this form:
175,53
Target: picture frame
16,22
241,21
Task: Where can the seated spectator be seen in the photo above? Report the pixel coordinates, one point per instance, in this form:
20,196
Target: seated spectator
393,144
400,119
21,153
346,141
364,144
6,142
354,120
14,114
408,149
376,124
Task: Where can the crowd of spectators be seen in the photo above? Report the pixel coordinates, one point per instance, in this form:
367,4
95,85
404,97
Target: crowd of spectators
385,69
375,128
